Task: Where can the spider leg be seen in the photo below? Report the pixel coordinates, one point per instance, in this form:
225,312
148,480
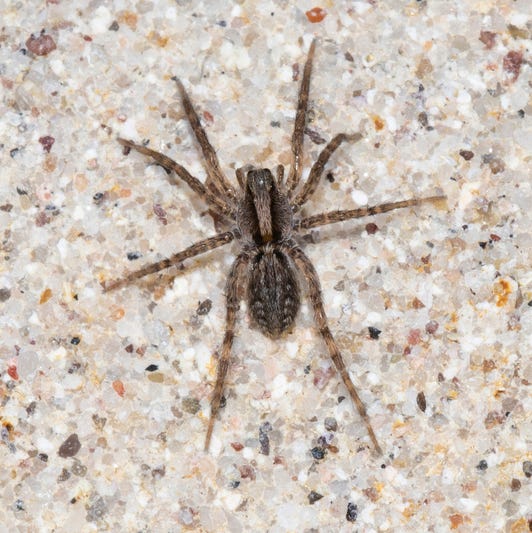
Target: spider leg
233,304
305,265
216,177
241,177
216,201
299,124
316,171
339,216
279,173
197,248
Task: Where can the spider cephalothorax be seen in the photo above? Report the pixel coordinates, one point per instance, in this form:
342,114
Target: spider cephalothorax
260,215
265,223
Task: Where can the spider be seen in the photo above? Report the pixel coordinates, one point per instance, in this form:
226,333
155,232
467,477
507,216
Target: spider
262,216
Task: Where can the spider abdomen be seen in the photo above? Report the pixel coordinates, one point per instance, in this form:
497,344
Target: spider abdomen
272,291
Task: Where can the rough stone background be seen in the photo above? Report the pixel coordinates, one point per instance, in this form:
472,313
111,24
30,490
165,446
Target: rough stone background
105,396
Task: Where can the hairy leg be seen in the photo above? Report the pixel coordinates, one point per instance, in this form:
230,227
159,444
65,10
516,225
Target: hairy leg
316,171
304,264
299,125
216,176
279,174
215,201
339,216
233,304
195,249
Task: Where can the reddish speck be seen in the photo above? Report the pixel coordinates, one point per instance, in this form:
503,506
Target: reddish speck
316,14
208,117
414,337
371,494
141,350
161,213
237,446
118,386
494,237
295,71
41,45
372,228
431,327
417,303
247,472
512,63
322,377
467,154
87,38
488,38
12,371
47,142
42,219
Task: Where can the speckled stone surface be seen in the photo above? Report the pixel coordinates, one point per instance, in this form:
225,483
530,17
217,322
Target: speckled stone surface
105,396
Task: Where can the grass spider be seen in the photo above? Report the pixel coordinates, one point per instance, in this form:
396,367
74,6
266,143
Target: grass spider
262,216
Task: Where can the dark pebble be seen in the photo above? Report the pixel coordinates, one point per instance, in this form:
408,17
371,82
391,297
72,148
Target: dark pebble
482,465
527,468
64,475
467,154
352,512
47,142
264,440
190,405
19,505
98,197
318,453
5,294
372,228
313,497
41,45
421,401
374,332
70,447
204,307
330,424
